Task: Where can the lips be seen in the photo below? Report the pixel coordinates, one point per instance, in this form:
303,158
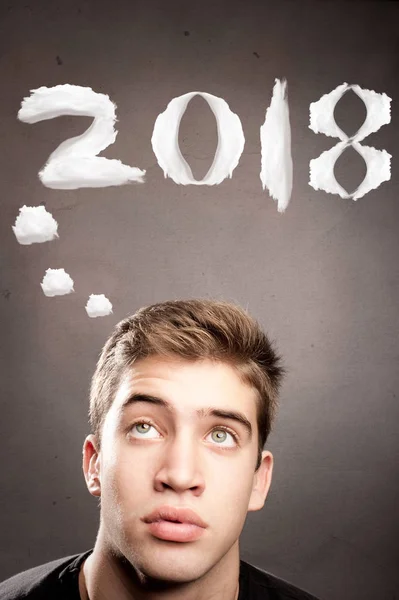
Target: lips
176,515
175,524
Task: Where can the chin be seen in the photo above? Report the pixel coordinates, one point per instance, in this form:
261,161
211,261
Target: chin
170,562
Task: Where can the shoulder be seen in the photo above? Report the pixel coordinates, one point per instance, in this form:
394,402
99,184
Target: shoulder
258,579
38,582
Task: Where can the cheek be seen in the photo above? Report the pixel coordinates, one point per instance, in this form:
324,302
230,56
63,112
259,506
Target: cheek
228,510
123,478
230,488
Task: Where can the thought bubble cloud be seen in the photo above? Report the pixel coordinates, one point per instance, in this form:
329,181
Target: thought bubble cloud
35,225
57,282
98,306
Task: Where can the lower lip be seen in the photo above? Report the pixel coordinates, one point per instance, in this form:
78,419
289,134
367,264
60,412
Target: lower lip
175,532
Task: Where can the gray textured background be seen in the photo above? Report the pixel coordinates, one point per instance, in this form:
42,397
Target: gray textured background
322,278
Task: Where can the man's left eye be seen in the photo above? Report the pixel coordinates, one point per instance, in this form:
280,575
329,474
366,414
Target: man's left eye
219,436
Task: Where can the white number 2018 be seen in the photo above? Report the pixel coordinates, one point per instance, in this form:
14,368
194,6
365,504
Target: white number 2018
75,164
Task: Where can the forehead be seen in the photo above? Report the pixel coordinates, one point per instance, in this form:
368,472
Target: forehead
188,385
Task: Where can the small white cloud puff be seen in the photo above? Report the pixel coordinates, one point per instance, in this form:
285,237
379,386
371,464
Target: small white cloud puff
35,225
98,306
57,283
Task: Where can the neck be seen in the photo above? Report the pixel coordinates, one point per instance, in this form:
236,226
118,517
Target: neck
105,576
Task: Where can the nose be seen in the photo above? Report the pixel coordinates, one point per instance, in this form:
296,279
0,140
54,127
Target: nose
180,467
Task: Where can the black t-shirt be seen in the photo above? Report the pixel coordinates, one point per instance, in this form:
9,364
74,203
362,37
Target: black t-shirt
59,580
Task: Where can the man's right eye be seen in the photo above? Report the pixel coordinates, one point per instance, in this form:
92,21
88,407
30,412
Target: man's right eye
144,429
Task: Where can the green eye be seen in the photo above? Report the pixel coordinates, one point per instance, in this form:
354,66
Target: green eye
144,430
223,438
219,435
142,427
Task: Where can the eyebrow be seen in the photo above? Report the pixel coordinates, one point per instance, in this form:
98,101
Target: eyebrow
210,411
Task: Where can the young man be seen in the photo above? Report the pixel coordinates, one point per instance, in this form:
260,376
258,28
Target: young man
181,404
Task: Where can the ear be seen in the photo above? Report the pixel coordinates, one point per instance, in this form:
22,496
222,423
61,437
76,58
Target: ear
91,465
261,483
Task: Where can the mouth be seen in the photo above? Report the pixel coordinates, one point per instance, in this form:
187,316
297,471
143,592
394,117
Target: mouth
175,524
175,532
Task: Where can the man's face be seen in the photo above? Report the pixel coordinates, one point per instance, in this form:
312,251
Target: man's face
164,444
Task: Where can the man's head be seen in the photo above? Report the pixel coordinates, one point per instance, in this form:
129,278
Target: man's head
190,330
182,401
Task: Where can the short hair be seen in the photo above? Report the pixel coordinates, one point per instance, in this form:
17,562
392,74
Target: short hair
190,330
